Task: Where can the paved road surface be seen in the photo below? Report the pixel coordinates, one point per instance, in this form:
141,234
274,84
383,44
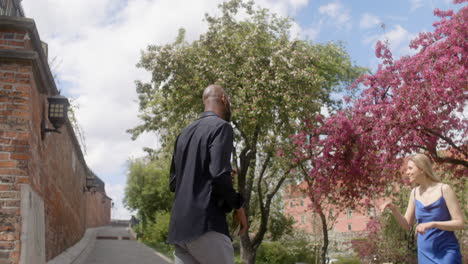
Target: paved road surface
111,251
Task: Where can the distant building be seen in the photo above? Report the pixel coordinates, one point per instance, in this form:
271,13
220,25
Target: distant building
347,224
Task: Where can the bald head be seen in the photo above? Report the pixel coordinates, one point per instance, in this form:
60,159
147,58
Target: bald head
216,100
213,92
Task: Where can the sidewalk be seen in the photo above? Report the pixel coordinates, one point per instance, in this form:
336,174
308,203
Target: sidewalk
111,247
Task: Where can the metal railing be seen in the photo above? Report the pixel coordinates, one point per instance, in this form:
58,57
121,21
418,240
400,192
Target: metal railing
11,8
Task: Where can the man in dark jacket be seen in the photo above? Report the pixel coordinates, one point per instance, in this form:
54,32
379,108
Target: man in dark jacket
200,176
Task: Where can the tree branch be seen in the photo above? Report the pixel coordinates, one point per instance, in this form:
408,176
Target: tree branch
440,159
448,140
265,213
259,182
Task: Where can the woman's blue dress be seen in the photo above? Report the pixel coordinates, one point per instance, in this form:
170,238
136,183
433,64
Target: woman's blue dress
435,245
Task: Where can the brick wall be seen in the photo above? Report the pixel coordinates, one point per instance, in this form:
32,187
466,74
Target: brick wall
297,205
95,215
15,133
53,167
13,39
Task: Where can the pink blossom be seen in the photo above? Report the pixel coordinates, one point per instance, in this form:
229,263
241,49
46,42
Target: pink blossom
411,104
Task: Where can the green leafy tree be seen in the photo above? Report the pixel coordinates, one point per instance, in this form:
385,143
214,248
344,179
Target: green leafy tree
273,81
146,189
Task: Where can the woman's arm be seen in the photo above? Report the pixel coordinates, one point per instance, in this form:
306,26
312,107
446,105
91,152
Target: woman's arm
457,221
407,220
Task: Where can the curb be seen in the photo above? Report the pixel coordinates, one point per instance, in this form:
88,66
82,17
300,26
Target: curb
163,256
80,251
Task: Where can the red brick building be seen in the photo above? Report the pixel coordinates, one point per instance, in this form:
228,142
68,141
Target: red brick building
296,204
45,200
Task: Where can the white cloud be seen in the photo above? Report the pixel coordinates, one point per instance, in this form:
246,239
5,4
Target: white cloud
331,9
311,33
369,21
308,33
339,15
415,4
283,7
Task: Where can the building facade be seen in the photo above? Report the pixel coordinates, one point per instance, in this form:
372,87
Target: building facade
343,224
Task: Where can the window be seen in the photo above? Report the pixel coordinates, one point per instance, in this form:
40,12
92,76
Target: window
330,214
302,203
302,219
349,213
370,211
291,204
350,227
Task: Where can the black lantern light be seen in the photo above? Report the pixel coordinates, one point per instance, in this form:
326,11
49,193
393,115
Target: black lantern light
58,109
91,185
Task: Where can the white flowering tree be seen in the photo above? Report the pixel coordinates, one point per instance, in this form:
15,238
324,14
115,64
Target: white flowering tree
273,81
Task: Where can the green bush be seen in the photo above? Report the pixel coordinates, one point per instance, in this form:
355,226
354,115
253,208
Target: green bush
288,252
273,252
347,260
157,231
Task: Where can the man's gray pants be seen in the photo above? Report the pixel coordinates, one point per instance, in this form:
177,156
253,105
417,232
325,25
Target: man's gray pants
209,248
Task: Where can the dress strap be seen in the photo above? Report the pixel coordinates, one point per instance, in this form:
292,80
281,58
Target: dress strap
441,191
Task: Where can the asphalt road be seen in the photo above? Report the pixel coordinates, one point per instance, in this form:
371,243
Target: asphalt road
111,247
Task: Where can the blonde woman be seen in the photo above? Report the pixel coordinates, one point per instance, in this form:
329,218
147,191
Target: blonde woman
433,206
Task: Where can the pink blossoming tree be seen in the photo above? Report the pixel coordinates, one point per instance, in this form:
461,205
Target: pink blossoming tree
411,104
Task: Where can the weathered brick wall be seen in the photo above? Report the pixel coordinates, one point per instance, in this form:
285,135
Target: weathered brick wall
58,176
98,208
14,39
53,167
14,140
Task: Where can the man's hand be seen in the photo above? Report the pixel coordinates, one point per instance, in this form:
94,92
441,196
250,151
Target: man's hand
239,218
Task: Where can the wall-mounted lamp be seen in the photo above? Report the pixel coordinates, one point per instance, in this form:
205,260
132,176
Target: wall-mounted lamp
91,185
58,109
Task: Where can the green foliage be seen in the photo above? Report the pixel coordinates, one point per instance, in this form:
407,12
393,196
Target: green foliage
347,260
285,252
147,188
157,231
272,79
396,242
153,233
280,225
273,252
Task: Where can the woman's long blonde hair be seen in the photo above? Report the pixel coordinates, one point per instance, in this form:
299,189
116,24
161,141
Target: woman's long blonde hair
424,163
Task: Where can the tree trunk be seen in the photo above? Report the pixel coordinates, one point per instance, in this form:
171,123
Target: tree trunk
323,255
248,254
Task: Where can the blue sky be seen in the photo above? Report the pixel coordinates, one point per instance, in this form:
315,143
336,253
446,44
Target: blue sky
358,23
97,43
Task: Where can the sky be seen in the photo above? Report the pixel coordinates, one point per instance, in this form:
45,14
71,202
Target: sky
94,46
